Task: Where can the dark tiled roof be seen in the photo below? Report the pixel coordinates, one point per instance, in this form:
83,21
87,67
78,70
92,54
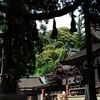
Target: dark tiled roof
46,85
95,37
81,55
49,74
95,33
30,82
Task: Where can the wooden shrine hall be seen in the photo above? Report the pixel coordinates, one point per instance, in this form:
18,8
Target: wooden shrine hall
71,72
79,59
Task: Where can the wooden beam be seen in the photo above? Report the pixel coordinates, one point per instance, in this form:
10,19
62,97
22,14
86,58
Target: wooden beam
41,16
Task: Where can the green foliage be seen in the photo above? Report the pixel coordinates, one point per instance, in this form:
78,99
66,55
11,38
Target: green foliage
47,68
66,38
79,36
46,61
53,50
79,41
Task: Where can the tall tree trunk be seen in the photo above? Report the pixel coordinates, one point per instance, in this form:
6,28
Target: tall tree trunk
6,77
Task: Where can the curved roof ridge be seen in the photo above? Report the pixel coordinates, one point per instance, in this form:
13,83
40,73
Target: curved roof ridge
95,33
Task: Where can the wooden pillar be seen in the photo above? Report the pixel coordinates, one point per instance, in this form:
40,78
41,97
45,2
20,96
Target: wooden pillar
42,94
61,84
30,98
91,77
98,68
99,86
67,88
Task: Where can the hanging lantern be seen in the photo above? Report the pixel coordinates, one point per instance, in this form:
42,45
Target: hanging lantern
35,33
73,24
54,31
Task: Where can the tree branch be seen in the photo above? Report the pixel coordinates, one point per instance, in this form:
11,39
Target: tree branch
41,16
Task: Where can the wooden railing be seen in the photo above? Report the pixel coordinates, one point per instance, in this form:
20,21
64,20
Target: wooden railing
81,90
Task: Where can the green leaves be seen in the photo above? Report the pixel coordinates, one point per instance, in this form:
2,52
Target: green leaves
53,50
79,36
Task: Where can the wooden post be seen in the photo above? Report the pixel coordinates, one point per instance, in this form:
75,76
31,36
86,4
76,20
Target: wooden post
91,77
42,94
98,68
67,88
30,98
61,84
